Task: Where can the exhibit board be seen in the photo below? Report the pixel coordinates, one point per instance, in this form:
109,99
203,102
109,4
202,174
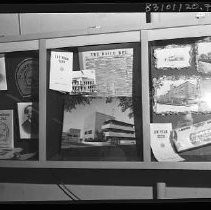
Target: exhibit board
180,76
110,95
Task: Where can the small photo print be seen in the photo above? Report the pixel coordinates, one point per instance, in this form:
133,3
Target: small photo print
172,95
28,120
173,57
203,57
3,80
84,82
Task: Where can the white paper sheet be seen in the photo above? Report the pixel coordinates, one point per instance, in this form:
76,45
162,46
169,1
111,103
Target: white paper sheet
160,142
61,66
173,57
3,81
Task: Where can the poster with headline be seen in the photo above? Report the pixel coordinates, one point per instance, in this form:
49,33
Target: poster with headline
113,70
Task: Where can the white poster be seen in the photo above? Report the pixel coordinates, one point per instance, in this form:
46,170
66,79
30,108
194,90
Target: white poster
61,66
173,56
3,81
160,142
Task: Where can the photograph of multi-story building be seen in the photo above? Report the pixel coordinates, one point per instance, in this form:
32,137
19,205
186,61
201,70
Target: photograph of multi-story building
176,95
99,123
93,124
118,132
183,94
84,82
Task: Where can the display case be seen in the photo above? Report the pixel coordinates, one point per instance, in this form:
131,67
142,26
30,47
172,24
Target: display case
176,108
99,118
128,100
19,100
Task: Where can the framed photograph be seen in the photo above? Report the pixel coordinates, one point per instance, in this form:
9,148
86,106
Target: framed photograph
28,120
99,128
113,70
173,57
176,94
203,57
3,80
6,129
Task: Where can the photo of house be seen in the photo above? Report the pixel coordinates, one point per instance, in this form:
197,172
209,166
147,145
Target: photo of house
84,82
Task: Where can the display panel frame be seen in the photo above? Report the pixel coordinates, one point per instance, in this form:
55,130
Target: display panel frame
153,35
45,41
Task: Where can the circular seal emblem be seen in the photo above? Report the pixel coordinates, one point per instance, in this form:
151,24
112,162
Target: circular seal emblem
4,132
26,76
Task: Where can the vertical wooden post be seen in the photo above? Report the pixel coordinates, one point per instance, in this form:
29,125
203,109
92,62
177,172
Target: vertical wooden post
42,99
145,96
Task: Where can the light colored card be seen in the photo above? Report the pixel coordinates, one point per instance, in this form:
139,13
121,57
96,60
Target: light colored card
28,120
189,137
3,80
61,66
160,142
6,129
203,57
173,56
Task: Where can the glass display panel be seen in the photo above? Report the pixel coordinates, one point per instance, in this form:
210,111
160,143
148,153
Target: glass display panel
180,108
19,98
94,113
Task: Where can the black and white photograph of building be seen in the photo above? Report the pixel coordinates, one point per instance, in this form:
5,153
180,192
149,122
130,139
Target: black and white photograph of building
101,123
176,95
203,57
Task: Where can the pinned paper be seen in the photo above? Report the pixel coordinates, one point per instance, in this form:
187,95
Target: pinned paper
160,142
3,81
61,66
173,56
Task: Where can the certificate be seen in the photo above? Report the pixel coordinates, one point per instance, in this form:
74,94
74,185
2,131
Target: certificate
61,66
6,129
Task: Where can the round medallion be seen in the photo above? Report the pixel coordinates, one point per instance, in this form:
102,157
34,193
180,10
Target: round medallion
26,76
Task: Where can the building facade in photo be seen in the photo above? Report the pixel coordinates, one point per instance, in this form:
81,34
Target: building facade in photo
93,124
102,127
118,132
84,81
183,94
